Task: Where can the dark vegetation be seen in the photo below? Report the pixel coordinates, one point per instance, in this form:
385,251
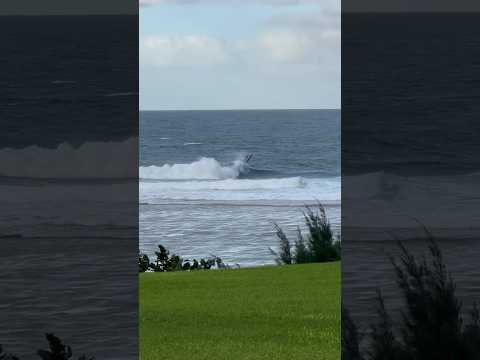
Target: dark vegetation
57,351
167,263
431,325
319,245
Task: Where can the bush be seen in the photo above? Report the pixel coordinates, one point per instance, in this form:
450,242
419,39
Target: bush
319,245
143,263
167,263
57,351
351,338
285,255
6,356
431,324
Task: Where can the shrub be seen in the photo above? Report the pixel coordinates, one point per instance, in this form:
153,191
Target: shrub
351,338
57,351
321,243
431,324
6,356
302,253
383,342
143,262
318,246
166,262
285,255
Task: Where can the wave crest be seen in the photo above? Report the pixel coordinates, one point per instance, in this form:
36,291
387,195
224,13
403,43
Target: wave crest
91,160
203,169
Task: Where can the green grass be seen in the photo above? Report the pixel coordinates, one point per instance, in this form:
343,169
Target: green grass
286,312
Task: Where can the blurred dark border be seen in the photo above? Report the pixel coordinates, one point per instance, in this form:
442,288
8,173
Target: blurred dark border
410,165
69,177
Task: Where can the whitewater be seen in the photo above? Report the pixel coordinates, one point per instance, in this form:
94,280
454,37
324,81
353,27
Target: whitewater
202,169
208,179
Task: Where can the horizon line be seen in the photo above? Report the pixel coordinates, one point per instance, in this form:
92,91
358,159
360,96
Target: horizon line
344,12
246,109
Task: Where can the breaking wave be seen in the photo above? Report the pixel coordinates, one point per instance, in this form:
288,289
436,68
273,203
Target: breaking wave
208,179
202,169
92,160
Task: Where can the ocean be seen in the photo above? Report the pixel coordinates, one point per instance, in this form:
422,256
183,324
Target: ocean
199,196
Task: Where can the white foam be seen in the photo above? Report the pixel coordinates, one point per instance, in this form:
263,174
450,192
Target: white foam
366,185
293,188
202,169
90,160
192,143
231,184
438,201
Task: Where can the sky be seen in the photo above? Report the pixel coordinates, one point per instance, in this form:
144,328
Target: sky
239,54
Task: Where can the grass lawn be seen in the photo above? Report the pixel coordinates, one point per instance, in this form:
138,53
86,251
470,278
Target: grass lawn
286,312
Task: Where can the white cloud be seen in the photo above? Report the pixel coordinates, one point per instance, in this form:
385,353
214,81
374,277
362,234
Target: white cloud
295,38
276,44
301,38
286,46
182,50
272,46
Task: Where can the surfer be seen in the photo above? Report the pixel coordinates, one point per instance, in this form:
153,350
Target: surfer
248,158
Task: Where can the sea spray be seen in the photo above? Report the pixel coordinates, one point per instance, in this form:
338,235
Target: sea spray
203,169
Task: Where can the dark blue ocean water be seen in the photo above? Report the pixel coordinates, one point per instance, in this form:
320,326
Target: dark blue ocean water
200,196
284,143
68,111
410,109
